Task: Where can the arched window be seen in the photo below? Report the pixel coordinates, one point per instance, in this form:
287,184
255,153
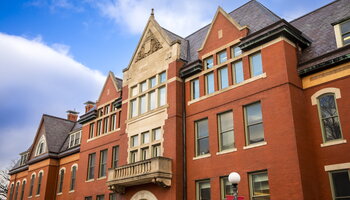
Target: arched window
11,191
31,185
40,177
60,184
41,146
329,117
23,188
73,177
16,191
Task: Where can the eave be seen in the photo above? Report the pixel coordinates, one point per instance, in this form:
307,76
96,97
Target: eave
191,69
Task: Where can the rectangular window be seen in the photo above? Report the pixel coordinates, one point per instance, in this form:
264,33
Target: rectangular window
91,132
99,127
145,137
195,88
88,198
115,157
77,138
106,109
203,190
152,82
209,83
162,77
202,137
259,185
156,134
256,67
133,91
113,196
100,197
100,112
340,181
133,108
143,86
103,163
134,140
237,69
223,78
254,124
152,104
60,183
208,63
226,187
222,57
40,177
133,155
162,96
74,139
113,122
91,166
71,140
156,150
345,32
144,153
236,51
226,135
105,125
143,105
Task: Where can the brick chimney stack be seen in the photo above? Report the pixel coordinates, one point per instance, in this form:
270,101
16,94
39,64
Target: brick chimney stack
72,115
89,105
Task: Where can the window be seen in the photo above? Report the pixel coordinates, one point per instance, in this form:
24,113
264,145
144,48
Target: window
202,137
133,108
144,153
195,88
133,91
156,134
60,183
106,109
223,78
100,197
156,150
88,198
134,140
100,112
340,183
259,185
203,190
105,125
133,155
329,117
226,137
254,124
99,127
345,32
209,83
222,57
236,51
91,166
103,163
226,187
208,63
162,96
113,122
74,139
16,191
143,86
23,158
113,196
23,189
72,178
91,131
237,69
145,137
152,104
143,105
31,185
152,82
40,177
11,191
115,156
41,147
162,77
255,64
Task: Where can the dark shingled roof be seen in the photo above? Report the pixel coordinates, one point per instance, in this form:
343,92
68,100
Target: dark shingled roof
184,43
317,25
119,82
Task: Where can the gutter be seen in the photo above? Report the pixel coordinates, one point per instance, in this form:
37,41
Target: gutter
184,192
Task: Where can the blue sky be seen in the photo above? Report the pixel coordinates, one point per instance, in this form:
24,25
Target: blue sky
55,54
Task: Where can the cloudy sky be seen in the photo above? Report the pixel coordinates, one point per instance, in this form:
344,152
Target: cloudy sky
55,54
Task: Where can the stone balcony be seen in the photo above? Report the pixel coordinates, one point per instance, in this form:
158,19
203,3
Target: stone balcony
155,170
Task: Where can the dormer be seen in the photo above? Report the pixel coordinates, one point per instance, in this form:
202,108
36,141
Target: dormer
41,146
74,139
24,158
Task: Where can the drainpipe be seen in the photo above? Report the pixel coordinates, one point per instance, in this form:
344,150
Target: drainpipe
184,140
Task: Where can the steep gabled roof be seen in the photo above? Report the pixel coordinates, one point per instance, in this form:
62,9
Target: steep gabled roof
117,82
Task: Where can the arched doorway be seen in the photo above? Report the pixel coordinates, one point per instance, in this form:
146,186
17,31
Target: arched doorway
144,195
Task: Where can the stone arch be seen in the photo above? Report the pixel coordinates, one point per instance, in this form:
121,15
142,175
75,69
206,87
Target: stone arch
335,91
144,195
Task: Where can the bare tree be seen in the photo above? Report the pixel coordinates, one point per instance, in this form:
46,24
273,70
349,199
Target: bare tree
4,180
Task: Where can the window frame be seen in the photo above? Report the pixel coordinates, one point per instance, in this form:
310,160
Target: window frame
197,153
31,186
251,188
60,180
206,64
207,92
40,179
91,166
102,167
220,80
218,59
251,66
233,55
195,88
198,182
234,74
91,130
73,177
332,181
115,156
223,192
220,132
23,189
246,126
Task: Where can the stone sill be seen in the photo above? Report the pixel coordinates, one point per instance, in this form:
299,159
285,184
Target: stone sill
202,156
334,142
255,145
226,151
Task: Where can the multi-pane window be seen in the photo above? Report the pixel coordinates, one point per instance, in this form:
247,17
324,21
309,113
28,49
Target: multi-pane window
105,125
91,166
143,105
145,137
40,177
103,163
162,77
203,190
16,191
133,91
226,137
226,187
340,181
100,197
133,107
209,83
40,149
256,67
113,122
254,124
156,150
113,196
31,185
91,131
60,181
195,88
74,139
345,32
259,185
133,155
202,137
134,140
223,78
237,69
144,153
99,127
162,96
145,145
143,86
73,178
156,134
208,63
329,117
152,104
222,57
115,156
106,109
236,51
152,82
23,189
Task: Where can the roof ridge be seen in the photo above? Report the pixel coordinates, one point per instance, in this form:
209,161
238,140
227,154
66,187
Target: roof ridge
47,115
317,9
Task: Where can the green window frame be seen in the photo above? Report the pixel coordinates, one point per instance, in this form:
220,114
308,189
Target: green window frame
340,184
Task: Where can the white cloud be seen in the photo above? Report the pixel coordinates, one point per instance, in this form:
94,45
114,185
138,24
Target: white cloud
36,79
62,49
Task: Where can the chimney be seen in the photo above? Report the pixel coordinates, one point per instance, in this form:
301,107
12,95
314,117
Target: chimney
89,105
72,115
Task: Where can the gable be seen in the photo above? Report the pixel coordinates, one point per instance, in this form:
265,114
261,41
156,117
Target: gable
39,135
110,89
223,30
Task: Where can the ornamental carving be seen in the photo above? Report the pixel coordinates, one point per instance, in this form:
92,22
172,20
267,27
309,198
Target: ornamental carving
149,46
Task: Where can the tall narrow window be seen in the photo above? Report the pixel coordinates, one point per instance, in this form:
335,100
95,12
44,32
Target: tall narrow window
72,178
203,190
105,125
143,86
202,137
91,132
162,96
195,88
133,155
31,187
16,191
152,82
133,108
254,124
152,104
345,32
115,157
133,91
236,51
162,77
208,63
340,184
329,117
23,189
99,127
91,166
226,138
156,134
223,78
237,69
103,163
256,67
113,122
145,137
60,183
142,104
12,188
259,185
209,83
222,57
226,188
156,150
40,177
134,140
144,153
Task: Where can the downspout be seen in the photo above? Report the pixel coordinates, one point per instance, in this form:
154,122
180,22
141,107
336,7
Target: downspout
184,140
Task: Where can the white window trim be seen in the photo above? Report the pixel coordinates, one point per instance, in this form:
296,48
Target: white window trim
72,136
42,140
336,167
336,91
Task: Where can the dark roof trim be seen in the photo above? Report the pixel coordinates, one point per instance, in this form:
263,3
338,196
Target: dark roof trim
69,152
19,169
191,69
340,21
92,114
329,63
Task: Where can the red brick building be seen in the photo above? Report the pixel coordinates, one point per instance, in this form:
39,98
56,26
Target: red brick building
250,93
